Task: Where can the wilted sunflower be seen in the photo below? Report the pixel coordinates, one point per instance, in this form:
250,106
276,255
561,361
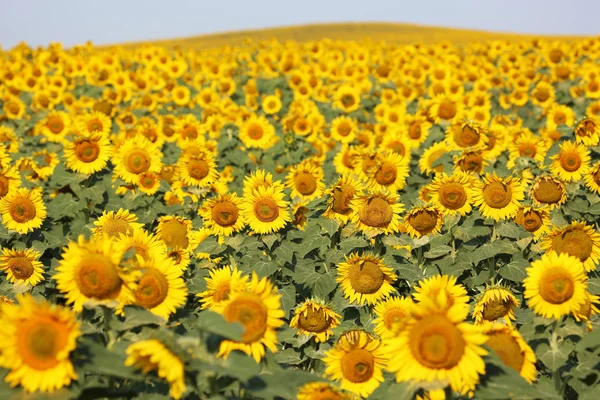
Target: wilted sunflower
23,210
535,220
340,196
578,240
153,355
588,309
547,190
592,178
258,309
321,391
365,279
572,162
555,285
35,341
508,344
87,154
376,213
197,168
587,131
466,135
135,157
10,180
113,224
498,198
442,290
257,132
305,181
437,345
314,318
357,360
222,215
265,210
391,314
177,231
22,266
451,194
389,172
219,284
422,221
428,162
494,303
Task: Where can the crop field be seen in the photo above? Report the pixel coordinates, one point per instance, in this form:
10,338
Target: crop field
318,220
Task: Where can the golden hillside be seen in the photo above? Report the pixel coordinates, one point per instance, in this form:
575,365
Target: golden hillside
391,32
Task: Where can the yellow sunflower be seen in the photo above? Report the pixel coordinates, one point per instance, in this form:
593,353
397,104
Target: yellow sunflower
257,132
144,246
339,198
87,154
508,344
555,285
357,360
10,180
422,221
365,279
527,145
466,135
391,314
197,169
314,318
470,162
259,178
177,232
35,342
219,284
23,210
587,131
494,303
376,213
578,240
93,122
22,266
451,194
306,181
417,130
153,355
148,183
321,391
560,115
587,310
180,257
442,290
222,215
427,161
592,179
55,126
135,157
343,129
346,160
265,210
389,172
535,220
571,163
346,98
258,309
547,190
113,224
498,198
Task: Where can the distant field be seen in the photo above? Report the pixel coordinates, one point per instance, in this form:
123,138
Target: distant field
396,33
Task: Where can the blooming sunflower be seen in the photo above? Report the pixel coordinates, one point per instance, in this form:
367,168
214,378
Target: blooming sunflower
137,156
346,159
357,360
265,210
547,190
55,126
494,303
144,246
560,115
376,213
571,163
35,341
587,131
22,266
23,210
428,160
10,180
588,309
498,198
219,284
555,285
592,179
176,232
321,391
93,122
389,172
437,345
417,130
343,129
339,198
527,145
113,224
421,221
259,178
257,132
87,154
508,344
470,162
466,135
578,240
222,215
314,318
148,183
180,257
197,168
365,279
306,181
451,194
443,290
391,314
258,309
535,220
153,355
346,98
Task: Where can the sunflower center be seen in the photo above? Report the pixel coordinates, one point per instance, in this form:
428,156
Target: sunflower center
497,194
147,181
491,142
532,221
174,234
376,212
495,309
14,108
221,293
507,349
152,289
414,131
21,267
447,110
575,243
467,136
305,183
266,210
22,210
358,365
397,147
94,126
570,161
198,169
344,129
472,162
189,132
315,320
423,221
115,227
556,286
436,343
87,151
596,177
255,132
249,310
452,195
55,125
347,160
225,213
559,118
548,191
348,100
367,164
97,277
137,161
342,196
39,342
4,185
386,175
542,94
393,317
527,150
366,277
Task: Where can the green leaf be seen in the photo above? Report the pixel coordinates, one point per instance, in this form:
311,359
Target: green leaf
331,226
212,322
285,252
515,271
509,229
240,366
312,242
438,251
353,243
288,356
491,249
288,298
136,316
99,360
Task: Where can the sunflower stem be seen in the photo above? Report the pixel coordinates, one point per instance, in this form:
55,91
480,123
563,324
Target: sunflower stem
108,335
554,347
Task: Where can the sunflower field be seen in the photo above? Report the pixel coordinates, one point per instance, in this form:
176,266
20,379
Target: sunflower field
325,220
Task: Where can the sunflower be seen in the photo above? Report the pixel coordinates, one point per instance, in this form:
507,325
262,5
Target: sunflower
571,163
8,139
148,183
428,160
549,191
343,129
389,172
265,210
22,266
346,98
496,142
259,178
508,344
451,194
258,309
340,196
436,345
14,108
87,154
494,303
135,157
587,131
306,181
271,104
466,135
314,318
222,215
527,145
180,257
365,279
376,213
555,285
560,115
470,162
357,360
592,179
417,130
10,180
113,224
153,355
90,272
535,220
442,290
422,221
35,341
177,232
346,160
397,143
587,310
55,126
197,169
219,284
578,240
143,246
23,210
498,198
321,391
94,122
257,132
391,314
187,128
444,109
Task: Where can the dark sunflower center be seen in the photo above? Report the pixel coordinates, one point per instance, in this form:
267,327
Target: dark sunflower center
414,131
376,212
4,186
472,162
255,132
424,221
447,110
225,213
315,320
532,221
366,277
21,267
266,210
87,151
342,196
22,210
570,161
39,342
137,161
174,234
55,125
198,169
467,136
152,289
115,227
452,195
495,309
249,310
97,277
436,343
556,286
575,243
305,183
344,129
386,174
497,194
548,191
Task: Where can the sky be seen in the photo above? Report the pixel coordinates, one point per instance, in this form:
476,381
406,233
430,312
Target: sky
39,22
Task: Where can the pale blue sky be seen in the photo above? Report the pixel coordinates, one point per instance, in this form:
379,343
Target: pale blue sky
39,22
